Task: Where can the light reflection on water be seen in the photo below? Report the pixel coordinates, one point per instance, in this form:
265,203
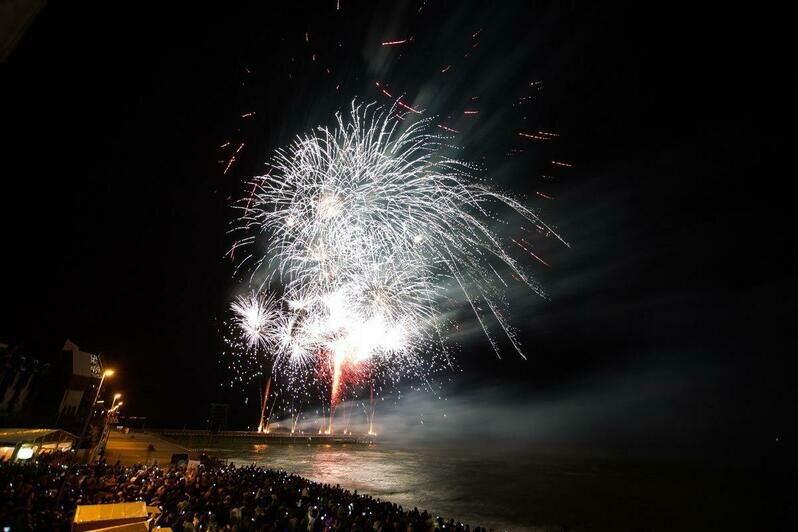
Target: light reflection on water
468,488
531,490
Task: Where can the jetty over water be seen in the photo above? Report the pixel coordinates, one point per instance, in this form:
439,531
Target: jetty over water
305,438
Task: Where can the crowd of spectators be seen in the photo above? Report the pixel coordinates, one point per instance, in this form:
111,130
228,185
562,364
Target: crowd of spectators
212,498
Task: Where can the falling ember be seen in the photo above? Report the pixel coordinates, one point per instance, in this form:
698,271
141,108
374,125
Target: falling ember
446,69
560,163
533,136
544,195
400,103
232,251
470,112
394,43
229,164
249,200
525,248
252,193
446,128
384,90
247,115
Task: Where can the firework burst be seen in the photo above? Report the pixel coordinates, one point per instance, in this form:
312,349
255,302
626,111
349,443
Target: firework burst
255,314
366,228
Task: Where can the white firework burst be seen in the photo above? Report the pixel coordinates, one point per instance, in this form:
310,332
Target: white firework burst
256,314
367,226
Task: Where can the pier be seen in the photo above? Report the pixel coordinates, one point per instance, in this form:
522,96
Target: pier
198,437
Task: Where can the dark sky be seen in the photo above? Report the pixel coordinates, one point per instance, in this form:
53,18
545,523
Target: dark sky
115,208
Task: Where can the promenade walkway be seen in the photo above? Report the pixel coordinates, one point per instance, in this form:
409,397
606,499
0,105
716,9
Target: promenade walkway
134,448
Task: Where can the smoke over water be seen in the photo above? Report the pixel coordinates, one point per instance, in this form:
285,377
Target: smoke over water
643,411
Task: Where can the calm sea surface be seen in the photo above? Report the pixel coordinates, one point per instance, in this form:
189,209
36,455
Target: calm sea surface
471,489
516,490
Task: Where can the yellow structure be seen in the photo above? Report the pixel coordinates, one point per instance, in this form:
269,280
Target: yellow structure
127,516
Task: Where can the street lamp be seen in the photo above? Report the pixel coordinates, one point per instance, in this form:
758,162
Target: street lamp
111,412
106,373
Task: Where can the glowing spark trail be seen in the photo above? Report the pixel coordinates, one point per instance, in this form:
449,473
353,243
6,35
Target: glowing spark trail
538,136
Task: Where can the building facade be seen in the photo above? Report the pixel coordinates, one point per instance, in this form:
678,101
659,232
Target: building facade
48,389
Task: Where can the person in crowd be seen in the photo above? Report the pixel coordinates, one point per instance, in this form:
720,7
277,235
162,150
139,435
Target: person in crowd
212,499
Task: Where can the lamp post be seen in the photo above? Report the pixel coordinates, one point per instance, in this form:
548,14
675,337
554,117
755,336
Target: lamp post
69,472
106,373
101,445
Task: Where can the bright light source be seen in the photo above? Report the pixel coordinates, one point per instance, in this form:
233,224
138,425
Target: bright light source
25,453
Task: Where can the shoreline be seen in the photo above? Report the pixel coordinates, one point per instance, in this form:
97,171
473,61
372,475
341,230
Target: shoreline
515,488
213,498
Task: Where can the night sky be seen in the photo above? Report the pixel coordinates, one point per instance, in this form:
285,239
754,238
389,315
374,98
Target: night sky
673,306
